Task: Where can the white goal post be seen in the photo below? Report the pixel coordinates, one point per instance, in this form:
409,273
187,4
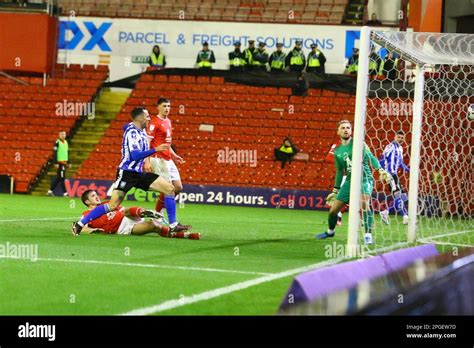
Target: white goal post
434,81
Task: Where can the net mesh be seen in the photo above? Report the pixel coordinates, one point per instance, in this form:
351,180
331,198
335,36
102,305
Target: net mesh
446,179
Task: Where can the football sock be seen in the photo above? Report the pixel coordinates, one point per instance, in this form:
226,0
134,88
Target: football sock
332,222
160,202
170,205
164,231
135,211
96,213
368,217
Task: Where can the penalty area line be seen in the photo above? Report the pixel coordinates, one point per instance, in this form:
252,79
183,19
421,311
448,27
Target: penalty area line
144,265
41,219
210,294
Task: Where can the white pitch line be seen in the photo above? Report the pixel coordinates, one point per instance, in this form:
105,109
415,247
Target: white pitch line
145,265
448,234
207,295
41,219
428,241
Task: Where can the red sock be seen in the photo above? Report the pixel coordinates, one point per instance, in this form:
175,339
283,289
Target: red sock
343,210
135,211
178,235
160,202
165,230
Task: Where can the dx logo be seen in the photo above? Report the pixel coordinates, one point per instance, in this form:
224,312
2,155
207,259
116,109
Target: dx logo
97,36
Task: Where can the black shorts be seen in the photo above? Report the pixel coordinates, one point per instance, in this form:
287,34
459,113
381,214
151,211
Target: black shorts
127,179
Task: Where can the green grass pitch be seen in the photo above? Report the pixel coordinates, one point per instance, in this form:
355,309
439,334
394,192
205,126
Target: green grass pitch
109,274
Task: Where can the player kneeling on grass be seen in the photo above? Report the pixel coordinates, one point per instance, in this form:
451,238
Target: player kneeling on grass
126,221
339,197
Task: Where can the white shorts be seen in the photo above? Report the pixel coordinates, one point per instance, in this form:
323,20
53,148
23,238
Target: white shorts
165,168
127,224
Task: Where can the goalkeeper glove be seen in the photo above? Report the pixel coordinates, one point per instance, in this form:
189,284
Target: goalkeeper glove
385,176
332,196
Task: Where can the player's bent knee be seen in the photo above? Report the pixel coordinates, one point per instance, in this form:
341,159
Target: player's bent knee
169,189
178,187
163,186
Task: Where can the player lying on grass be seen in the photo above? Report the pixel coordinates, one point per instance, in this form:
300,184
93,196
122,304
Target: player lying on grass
135,148
127,221
340,194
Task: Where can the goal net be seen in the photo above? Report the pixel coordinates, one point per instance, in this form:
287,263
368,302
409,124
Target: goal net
415,92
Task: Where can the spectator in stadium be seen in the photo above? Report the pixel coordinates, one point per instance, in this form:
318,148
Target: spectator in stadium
237,58
285,152
353,63
374,21
248,55
301,86
127,221
295,60
260,57
389,66
157,59
205,57
61,158
277,59
374,62
22,3
316,61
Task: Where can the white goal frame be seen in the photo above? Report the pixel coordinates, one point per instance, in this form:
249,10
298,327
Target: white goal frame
423,61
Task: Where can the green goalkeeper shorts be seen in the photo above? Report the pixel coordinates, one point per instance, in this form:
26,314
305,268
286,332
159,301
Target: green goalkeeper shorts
344,192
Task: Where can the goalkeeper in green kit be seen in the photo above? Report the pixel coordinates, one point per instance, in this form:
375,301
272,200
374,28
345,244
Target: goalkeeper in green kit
339,196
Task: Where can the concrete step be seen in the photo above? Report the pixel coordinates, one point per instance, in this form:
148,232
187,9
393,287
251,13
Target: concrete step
69,172
108,107
111,100
83,141
87,136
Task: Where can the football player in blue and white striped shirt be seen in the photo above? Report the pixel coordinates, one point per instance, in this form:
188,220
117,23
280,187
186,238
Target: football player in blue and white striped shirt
135,149
391,161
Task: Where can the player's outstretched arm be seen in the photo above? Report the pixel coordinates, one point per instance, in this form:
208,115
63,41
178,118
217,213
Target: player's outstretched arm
337,182
372,159
177,158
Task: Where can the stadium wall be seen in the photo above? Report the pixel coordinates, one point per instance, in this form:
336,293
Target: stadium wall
125,44
215,195
27,42
238,196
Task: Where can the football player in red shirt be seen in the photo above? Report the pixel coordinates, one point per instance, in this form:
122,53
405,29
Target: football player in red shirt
126,221
162,163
